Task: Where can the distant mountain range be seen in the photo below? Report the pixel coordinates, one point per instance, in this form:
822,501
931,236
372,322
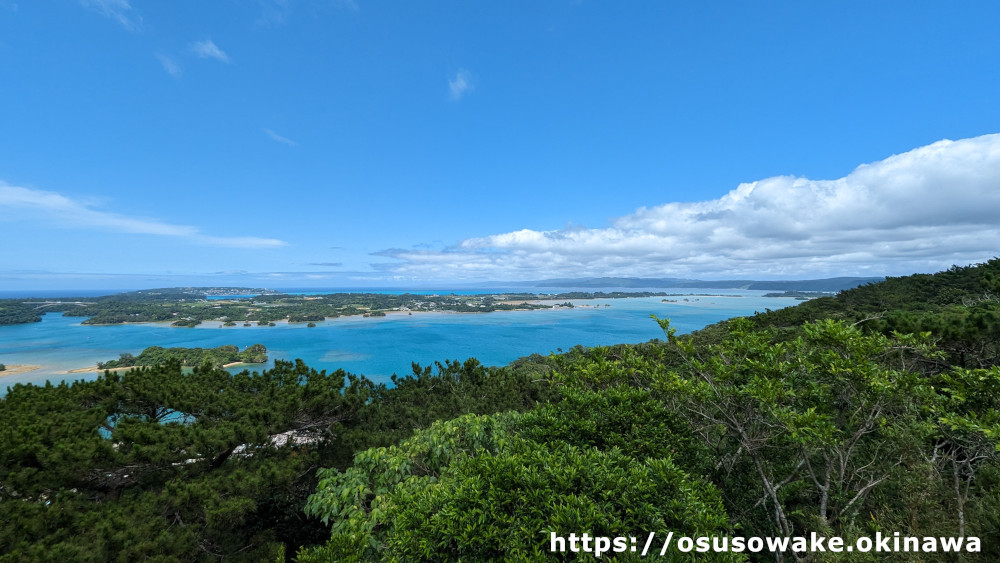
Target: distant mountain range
826,285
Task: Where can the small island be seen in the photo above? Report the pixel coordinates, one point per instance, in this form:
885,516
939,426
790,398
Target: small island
223,356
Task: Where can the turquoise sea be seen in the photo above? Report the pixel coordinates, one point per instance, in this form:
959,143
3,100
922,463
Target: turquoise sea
379,347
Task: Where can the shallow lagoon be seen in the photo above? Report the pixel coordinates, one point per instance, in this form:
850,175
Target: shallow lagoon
380,346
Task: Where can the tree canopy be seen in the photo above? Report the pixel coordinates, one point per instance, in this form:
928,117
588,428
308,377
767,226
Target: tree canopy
875,411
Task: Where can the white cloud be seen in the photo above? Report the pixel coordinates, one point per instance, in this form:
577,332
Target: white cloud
170,65
18,203
272,12
349,5
118,10
922,210
207,49
275,13
459,85
276,137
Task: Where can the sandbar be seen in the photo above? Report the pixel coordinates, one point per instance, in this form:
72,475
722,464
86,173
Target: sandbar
15,369
95,368
92,369
238,364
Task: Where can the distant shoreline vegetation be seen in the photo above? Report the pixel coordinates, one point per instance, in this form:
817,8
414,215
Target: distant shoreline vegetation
190,357
189,307
801,295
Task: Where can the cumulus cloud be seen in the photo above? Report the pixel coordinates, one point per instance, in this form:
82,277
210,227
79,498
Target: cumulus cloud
459,85
283,140
18,203
118,10
922,210
207,49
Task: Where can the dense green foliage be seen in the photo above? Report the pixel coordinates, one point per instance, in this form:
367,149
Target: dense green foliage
823,433
14,312
818,429
877,410
476,488
832,427
392,413
159,464
960,307
217,357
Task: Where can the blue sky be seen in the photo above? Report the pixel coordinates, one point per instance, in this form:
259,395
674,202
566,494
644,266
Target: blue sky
350,143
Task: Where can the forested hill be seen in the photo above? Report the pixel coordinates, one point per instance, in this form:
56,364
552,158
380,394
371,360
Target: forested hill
958,286
814,419
218,357
960,307
817,418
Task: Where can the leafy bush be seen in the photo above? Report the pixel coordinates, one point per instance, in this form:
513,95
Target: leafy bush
473,489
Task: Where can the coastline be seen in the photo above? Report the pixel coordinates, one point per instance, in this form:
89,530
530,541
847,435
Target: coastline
215,323
95,369
16,369
71,350
239,365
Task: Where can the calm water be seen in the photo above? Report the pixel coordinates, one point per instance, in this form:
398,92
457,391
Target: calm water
378,347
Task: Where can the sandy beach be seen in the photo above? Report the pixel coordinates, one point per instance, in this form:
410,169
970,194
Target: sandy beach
19,368
238,364
97,369
92,369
